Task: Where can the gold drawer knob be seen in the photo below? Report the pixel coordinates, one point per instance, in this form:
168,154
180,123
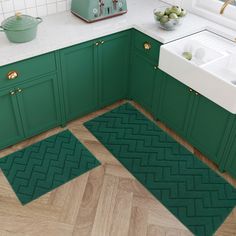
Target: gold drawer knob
147,46
12,75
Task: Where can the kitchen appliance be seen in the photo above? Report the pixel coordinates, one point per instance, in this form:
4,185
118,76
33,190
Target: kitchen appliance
20,28
94,10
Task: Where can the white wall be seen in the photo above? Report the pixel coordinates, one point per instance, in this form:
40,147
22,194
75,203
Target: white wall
32,7
173,2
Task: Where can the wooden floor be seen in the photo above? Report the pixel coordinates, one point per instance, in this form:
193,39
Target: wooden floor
107,201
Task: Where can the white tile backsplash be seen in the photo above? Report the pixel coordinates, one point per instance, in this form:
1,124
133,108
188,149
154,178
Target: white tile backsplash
173,2
32,7
42,7
61,6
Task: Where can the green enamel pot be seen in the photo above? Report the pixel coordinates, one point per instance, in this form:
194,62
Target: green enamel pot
20,28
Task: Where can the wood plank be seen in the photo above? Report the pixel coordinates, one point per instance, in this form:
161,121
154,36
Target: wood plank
122,214
229,226
72,203
158,214
154,230
135,187
33,210
28,226
106,205
86,215
139,222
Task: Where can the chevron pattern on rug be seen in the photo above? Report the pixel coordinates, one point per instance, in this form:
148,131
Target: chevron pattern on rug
46,165
193,192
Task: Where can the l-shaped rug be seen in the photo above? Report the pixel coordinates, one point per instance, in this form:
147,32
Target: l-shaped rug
188,188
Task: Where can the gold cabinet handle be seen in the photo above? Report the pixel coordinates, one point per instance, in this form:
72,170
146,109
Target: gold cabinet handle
12,75
12,92
147,46
100,42
191,90
18,90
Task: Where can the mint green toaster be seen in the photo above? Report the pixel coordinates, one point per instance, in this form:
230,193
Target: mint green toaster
94,10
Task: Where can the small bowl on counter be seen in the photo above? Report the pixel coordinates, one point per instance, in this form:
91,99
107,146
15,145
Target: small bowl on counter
20,28
170,18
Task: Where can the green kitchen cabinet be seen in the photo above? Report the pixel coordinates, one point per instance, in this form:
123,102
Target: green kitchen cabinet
27,69
57,87
142,81
10,122
147,46
209,128
79,72
229,162
200,121
28,98
95,73
38,104
114,58
29,109
144,76
175,104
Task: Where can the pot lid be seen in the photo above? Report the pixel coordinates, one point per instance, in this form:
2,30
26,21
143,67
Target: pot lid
19,22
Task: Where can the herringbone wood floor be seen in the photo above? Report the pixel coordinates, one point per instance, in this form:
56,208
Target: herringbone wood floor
107,201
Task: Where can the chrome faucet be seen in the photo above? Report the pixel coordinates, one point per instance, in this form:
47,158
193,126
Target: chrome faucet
226,3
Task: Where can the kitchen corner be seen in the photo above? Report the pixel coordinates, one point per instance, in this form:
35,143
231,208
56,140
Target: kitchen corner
115,122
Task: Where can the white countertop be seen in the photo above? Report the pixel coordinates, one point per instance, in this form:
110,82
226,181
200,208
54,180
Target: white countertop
64,29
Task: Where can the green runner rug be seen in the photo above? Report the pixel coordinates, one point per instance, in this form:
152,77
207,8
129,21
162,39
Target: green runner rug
46,165
193,192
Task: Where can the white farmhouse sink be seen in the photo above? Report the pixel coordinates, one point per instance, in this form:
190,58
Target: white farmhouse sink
225,68
211,71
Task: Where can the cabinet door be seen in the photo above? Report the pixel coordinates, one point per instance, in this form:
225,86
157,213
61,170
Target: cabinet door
79,79
10,121
157,92
230,166
142,81
175,104
38,102
114,54
209,128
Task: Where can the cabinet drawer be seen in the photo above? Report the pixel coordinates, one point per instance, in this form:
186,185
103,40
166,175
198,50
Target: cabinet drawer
23,70
147,45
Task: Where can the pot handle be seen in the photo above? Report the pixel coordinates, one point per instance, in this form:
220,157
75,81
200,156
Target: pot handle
1,29
39,19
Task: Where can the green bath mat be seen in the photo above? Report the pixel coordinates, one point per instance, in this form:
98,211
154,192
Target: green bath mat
194,193
46,165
